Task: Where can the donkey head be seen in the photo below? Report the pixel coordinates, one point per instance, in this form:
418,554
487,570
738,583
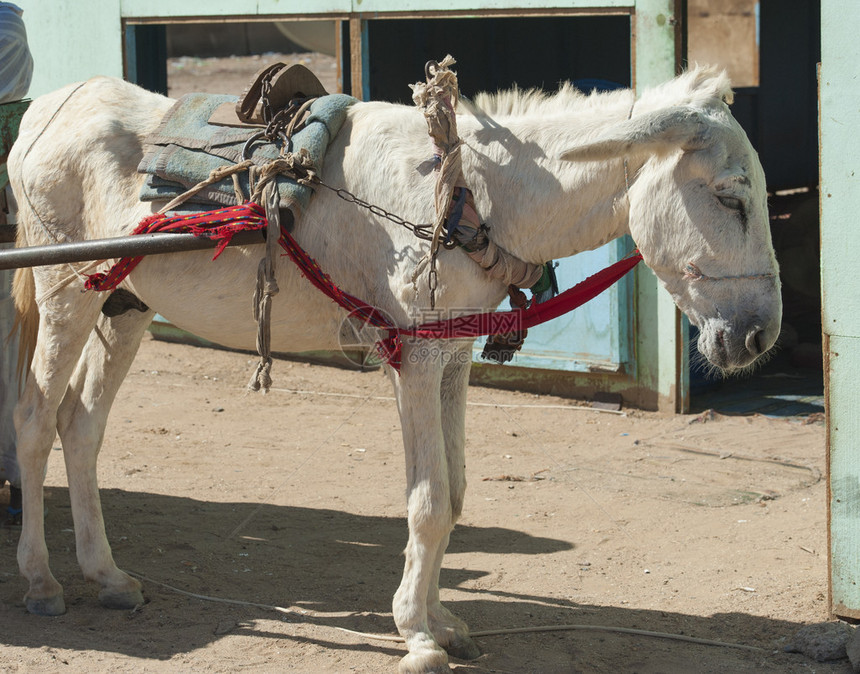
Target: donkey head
698,213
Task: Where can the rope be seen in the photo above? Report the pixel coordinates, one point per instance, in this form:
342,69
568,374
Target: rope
267,288
484,633
437,99
469,326
216,175
77,275
297,166
574,627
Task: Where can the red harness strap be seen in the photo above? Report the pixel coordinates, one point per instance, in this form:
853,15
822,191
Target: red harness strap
497,322
220,225
223,223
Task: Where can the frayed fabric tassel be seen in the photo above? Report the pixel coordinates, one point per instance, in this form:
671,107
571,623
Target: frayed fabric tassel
267,288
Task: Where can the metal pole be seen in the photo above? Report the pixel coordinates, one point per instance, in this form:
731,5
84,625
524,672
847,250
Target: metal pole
122,246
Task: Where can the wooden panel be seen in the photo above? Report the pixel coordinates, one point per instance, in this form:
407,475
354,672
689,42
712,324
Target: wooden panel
843,400
654,32
144,9
840,203
132,9
477,7
659,337
725,34
359,59
840,192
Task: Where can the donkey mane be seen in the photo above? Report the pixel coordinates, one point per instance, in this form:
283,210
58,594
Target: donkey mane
698,87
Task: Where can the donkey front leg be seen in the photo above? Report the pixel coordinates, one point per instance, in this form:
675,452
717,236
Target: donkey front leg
81,422
428,508
450,632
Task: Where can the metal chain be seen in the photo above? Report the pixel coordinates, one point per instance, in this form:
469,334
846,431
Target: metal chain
422,231
265,90
276,123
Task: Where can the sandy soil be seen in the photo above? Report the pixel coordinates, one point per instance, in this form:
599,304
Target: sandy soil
710,527
706,526
231,75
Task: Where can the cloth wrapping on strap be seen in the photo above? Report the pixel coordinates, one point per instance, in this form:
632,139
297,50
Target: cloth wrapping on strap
186,148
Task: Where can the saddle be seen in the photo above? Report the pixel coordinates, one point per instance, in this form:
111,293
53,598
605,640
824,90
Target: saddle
204,132
274,88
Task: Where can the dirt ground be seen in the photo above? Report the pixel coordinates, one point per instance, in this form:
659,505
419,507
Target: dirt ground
231,75
230,504
709,527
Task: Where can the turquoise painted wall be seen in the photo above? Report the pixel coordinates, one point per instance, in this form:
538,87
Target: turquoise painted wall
840,204
72,40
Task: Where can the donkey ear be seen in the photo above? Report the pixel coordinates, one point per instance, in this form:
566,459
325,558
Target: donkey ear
654,133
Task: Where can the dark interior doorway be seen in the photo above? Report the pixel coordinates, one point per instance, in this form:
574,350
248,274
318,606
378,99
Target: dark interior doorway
780,116
497,53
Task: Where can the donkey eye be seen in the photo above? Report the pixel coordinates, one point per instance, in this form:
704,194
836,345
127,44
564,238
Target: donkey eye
731,203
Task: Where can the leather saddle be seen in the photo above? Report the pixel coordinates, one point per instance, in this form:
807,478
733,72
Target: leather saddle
282,84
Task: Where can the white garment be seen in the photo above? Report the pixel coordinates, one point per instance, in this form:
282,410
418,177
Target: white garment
16,71
16,62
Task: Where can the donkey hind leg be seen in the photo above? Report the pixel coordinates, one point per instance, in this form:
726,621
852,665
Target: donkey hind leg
450,632
64,324
429,511
81,422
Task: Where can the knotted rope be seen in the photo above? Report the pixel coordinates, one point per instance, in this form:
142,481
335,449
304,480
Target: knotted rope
455,206
438,101
230,170
267,288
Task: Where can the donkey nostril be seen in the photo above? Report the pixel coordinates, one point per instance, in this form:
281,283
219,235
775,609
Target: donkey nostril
756,342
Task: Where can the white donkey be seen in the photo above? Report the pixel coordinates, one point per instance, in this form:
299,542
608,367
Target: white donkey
552,175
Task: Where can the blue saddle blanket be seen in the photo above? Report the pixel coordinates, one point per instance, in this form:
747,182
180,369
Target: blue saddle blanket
186,148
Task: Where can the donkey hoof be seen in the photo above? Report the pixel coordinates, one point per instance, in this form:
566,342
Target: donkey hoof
463,648
121,600
425,662
48,606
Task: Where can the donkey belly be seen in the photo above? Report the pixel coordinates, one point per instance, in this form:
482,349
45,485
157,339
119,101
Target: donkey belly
214,299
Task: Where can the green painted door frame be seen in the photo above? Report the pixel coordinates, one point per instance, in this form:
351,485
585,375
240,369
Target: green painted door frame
839,119
662,358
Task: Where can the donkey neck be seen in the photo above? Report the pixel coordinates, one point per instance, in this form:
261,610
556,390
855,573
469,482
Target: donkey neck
537,206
